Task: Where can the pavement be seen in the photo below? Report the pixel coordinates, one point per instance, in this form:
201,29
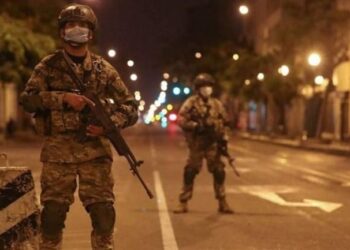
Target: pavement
332,147
286,198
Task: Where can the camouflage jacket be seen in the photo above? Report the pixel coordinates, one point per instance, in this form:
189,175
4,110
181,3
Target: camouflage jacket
59,123
195,112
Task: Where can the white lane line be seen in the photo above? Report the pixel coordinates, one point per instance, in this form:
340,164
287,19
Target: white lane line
169,241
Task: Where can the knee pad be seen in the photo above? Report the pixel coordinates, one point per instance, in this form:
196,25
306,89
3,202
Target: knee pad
102,217
189,175
219,176
53,217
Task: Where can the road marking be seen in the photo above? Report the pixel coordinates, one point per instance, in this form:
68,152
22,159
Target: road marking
169,241
275,198
271,194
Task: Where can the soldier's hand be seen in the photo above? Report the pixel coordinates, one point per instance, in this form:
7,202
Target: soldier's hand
77,102
94,131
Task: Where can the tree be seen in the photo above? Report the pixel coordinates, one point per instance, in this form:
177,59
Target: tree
314,25
28,33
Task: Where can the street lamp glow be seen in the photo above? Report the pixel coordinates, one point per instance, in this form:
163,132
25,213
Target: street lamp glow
198,55
187,90
260,76
112,53
130,63
164,85
133,77
166,76
176,91
235,57
319,80
314,59
284,70
243,9
169,107
247,82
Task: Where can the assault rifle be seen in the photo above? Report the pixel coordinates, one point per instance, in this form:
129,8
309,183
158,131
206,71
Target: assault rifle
112,132
223,150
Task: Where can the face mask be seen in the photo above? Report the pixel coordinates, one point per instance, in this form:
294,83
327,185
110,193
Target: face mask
206,91
77,34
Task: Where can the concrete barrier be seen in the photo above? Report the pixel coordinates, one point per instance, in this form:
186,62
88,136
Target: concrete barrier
19,209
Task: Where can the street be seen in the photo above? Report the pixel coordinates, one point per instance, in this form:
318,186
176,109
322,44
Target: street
285,198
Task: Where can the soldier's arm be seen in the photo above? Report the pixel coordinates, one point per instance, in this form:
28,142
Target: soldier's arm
185,120
36,97
125,114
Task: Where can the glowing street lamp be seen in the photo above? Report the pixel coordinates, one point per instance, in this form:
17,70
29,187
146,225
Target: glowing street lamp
247,82
319,80
112,53
235,57
130,63
284,70
198,55
133,77
166,76
314,59
260,77
243,9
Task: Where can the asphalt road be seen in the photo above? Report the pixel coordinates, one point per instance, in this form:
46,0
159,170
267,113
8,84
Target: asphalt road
285,199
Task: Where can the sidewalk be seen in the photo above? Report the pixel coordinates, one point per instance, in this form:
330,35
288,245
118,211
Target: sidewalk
339,148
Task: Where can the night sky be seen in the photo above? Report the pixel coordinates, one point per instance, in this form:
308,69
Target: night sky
140,30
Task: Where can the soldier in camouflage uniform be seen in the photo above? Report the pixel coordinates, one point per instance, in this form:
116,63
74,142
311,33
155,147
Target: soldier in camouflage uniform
203,120
74,145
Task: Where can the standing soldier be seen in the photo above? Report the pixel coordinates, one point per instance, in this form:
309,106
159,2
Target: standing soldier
74,145
203,121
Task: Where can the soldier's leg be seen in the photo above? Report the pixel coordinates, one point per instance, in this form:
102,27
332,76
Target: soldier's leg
192,168
96,193
58,183
217,168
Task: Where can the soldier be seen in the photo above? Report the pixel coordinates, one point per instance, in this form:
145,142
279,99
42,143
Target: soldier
74,145
203,121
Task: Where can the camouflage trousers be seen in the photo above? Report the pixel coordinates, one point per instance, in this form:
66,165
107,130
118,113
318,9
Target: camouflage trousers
199,150
59,182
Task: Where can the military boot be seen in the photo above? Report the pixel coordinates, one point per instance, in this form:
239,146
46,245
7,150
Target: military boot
99,242
224,208
50,243
182,208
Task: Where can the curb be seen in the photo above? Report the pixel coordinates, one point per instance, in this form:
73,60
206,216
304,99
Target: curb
336,149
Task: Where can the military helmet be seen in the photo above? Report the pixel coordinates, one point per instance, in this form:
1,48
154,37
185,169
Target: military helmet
77,12
203,79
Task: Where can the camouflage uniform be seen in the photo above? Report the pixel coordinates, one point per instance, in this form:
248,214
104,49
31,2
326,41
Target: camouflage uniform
65,154
204,123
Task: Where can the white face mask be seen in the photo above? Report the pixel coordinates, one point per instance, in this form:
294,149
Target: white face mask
77,34
206,91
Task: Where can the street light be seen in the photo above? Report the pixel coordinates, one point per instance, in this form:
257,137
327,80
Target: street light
319,80
112,53
243,9
235,57
314,59
247,82
130,63
260,77
133,77
198,55
283,70
166,76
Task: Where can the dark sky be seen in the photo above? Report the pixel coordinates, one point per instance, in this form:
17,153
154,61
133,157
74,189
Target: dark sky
140,30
